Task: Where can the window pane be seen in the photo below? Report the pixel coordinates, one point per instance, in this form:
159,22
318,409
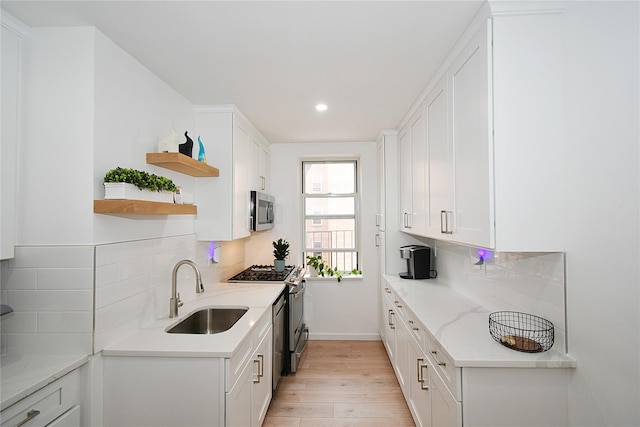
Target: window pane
332,234
330,206
345,261
329,178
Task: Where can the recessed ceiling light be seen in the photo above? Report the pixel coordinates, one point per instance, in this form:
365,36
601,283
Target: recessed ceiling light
321,107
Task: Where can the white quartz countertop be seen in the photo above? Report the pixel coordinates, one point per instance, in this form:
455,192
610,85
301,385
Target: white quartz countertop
152,340
461,326
22,375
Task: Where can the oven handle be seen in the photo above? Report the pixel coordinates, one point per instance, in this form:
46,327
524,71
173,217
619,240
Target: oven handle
299,290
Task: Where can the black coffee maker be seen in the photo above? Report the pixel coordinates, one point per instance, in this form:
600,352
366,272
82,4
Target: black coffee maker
418,262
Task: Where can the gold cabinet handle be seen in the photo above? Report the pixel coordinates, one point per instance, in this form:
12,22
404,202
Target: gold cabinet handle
30,415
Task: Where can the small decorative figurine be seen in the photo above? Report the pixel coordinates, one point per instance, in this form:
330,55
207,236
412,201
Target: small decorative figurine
169,144
202,156
187,147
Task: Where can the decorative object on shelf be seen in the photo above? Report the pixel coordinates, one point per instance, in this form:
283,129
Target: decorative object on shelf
280,252
521,331
321,268
132,184
187,147
170,143
202,156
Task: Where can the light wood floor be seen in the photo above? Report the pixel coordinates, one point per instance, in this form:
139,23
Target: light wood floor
340,384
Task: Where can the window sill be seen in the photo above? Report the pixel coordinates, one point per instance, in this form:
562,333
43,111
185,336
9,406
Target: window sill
349,278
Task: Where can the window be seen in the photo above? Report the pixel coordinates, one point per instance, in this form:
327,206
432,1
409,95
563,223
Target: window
330,199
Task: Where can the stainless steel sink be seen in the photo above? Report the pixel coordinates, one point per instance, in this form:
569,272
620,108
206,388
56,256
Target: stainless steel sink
209,321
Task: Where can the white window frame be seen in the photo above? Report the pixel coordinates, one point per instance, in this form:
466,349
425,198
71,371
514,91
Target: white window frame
319,217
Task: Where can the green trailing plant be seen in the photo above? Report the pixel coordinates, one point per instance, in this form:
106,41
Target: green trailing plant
142,180
323,269
280,249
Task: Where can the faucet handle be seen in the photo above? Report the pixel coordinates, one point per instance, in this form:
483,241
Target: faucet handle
180,303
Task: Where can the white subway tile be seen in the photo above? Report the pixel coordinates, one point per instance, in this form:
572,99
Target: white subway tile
68,322
54,256
20,278
65,278
19,322
79,300
108,295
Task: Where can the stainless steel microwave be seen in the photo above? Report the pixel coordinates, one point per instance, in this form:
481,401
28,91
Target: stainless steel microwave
261,214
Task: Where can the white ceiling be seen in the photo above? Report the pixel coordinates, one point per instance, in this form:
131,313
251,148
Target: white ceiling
368,61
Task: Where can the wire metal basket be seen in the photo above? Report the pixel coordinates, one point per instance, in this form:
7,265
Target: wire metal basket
521,331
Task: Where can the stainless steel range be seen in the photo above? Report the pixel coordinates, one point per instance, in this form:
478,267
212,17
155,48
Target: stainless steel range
290,334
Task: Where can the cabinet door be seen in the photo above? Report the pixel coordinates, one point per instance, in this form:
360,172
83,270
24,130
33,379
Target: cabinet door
440,185
420,399
390,320
413,169
402,355
241,227
446,411
258,164
11,54
470,92
263,167
238,400
406,179
262,375
380,214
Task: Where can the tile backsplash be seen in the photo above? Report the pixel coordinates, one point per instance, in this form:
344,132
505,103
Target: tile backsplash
527,282
79,299
50,289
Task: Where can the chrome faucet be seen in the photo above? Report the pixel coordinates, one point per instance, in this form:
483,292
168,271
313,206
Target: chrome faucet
175,302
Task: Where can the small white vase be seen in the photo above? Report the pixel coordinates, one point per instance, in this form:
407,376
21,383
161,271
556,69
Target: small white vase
125,191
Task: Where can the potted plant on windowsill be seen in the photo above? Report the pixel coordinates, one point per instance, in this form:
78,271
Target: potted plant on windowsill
280,252
125,183
322,269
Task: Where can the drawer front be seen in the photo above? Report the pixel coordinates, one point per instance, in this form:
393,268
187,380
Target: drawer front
443,365
45,405
235,365
262,326
416,329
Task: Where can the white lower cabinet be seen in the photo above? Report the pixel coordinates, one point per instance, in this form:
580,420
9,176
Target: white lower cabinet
441,394
419,400
249,394
56,404
261,381
192,391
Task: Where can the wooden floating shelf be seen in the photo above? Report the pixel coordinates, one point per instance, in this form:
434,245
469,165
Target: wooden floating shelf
142,207
180,163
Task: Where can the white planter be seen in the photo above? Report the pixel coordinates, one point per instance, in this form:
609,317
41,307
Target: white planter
124,191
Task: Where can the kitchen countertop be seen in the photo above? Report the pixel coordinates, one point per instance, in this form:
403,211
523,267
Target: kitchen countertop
461,326
152,340
25,374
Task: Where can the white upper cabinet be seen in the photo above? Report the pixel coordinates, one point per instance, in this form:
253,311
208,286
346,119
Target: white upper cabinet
440,185
490,173
470,219
223,201
258,164
11,58
413,170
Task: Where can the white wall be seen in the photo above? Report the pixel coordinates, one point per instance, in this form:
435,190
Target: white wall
601,85
55,192
90,107
332,310
133,108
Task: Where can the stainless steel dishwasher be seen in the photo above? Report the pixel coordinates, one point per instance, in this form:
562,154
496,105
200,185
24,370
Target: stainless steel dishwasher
279,345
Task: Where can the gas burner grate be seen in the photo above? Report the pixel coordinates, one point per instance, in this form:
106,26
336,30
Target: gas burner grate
261,273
